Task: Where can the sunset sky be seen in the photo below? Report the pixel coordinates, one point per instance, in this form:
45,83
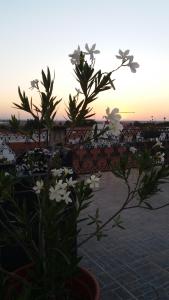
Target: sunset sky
38,33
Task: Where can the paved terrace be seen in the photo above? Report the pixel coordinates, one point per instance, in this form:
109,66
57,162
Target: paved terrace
131,263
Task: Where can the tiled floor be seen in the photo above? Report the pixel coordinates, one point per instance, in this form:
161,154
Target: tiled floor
131,263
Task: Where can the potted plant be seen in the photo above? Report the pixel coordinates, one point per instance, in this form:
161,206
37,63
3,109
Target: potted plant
52,250
53,269
51,233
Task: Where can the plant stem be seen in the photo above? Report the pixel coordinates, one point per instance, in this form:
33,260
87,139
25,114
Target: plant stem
106,222
129,198
14,275
14,234
41,233
145,207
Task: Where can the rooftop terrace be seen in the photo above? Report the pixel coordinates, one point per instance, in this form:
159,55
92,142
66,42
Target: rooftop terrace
131,263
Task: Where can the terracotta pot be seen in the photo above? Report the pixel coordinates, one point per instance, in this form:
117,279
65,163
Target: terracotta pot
84,286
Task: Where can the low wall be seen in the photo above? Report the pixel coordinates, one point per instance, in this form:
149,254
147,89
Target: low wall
91,160
96,159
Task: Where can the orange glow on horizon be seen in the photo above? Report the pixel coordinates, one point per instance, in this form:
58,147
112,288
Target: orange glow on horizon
145,103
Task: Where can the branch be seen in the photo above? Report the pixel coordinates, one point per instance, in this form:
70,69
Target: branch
146,207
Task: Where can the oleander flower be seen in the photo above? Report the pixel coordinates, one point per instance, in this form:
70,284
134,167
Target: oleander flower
67,171
71,182
115,128
91,51
93,181
7,174
65,196
113,118
54,194
160,157
60,184
57,172
113,115
133,65
38,187
75,56
123,55
59,192
133,150
34,84
158,144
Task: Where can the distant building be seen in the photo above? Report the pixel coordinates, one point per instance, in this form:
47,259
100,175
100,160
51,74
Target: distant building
6,153
7,136
18,143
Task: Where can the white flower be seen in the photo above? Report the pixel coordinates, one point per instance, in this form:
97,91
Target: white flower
67,171
46,152
158,144
7,174
59,192
71,182
34,84
60,184
91,51
75,56
133,150
65,196
132,65
93,181
125,57
113,118
115,128
160,157
113,115
57,172
54,194
38,187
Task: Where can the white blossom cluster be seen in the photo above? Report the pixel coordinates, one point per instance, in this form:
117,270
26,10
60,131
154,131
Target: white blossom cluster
59,192
158,155
34,161
62,171
75,56
60,189
127,60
